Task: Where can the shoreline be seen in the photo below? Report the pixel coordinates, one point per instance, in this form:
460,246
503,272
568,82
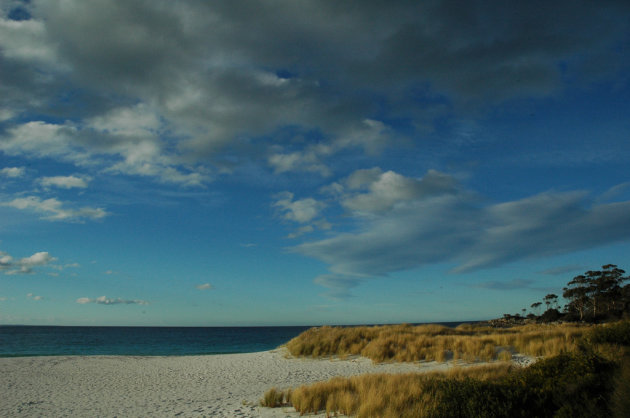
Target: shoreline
221,385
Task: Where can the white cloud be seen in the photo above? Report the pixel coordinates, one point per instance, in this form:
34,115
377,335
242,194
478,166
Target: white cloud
388,189
136,138
308,160
6,114
40,139
204,286
301,211
38,259
34,297
65,182
103,300
26,40
431,227
24,265
370,135
212,87
133,122
13,172
56,209
125,148
5,259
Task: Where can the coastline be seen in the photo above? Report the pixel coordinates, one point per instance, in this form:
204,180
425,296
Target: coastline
224,385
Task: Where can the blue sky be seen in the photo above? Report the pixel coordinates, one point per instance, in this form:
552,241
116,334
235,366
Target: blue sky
280,163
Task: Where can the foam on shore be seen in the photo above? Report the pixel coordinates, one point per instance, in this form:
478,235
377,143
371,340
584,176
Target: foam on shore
227,385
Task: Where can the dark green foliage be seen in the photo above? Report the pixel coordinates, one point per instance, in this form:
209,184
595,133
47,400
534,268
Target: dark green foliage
475,398
573,385
597,295
620,399
550,315
615,333
568,385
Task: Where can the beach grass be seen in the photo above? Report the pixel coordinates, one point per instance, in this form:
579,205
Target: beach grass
570,384
407,343
585,372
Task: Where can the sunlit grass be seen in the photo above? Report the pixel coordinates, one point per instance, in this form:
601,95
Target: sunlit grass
585,372
406,343
384,395
571,384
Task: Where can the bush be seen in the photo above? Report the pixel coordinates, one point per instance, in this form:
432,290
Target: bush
615,333
550,315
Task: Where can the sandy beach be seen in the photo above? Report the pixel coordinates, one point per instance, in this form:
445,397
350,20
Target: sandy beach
228,385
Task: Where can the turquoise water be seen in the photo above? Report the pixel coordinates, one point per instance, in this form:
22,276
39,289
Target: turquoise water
140,341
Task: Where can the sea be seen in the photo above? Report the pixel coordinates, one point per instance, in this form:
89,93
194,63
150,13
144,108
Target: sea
22,341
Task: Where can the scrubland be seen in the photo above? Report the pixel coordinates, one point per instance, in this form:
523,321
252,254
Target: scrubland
584,372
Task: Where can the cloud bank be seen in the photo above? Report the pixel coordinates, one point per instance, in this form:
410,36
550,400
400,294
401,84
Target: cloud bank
213,88
415,222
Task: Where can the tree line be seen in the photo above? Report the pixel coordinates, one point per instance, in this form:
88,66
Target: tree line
597,295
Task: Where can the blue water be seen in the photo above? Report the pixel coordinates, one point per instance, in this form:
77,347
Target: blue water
20,341
140,341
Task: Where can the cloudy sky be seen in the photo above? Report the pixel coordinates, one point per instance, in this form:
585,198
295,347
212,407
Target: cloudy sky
284,162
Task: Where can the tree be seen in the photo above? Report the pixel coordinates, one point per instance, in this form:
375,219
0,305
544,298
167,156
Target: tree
578,297
596,293
536,305
551,300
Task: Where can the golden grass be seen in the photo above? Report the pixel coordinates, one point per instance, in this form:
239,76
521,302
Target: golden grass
384,395
498,388
274,398
407,343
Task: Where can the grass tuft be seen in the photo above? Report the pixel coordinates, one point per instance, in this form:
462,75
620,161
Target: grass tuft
275,398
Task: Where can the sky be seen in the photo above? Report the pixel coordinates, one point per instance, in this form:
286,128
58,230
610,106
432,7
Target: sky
194,163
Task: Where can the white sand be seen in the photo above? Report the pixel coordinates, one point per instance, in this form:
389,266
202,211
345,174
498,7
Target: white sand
193,386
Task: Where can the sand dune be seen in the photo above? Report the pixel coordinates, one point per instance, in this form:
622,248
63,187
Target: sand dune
192,386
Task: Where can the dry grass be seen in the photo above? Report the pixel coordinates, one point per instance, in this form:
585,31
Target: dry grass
384,395
581,381
275,398
406,343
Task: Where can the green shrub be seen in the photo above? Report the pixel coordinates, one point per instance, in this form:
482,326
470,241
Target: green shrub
615,333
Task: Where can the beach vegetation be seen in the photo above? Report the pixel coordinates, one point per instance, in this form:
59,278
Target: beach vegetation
275,398
407,343
586,381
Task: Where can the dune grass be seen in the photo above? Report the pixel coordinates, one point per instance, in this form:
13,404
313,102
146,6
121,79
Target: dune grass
586,373
407,343
570,384
390,395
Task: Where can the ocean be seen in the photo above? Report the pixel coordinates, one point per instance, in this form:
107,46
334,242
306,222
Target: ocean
19,341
